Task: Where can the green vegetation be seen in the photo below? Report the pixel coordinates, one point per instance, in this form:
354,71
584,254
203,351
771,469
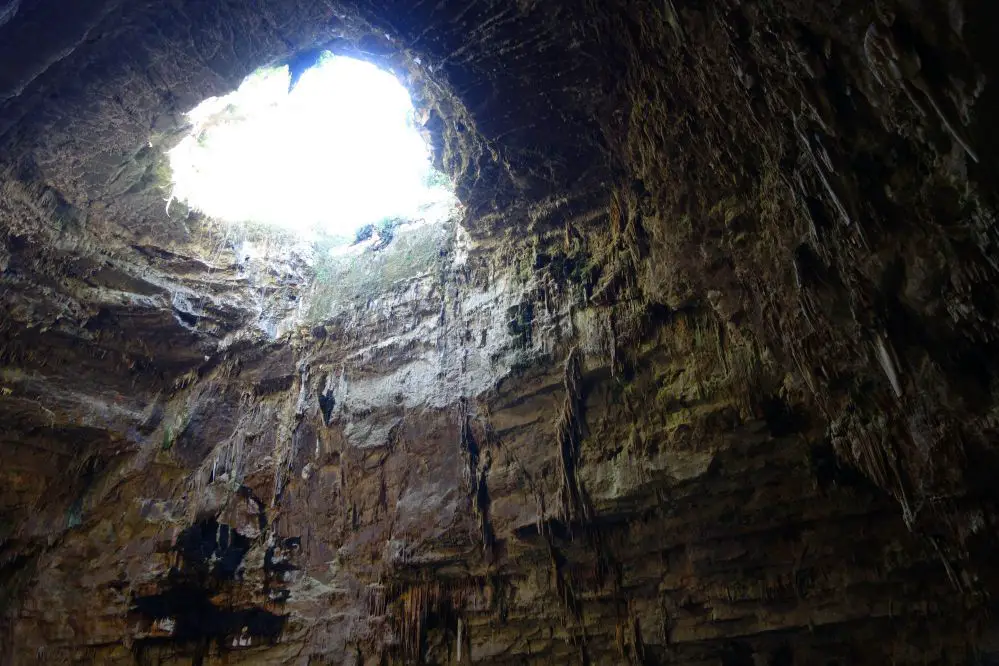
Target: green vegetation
172,431
437,178
342,275
565,263
519,324
363,233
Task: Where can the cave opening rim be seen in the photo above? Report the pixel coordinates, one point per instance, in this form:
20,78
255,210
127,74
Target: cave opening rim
391,124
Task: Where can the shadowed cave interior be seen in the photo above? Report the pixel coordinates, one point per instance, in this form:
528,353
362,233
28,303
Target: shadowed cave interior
697,367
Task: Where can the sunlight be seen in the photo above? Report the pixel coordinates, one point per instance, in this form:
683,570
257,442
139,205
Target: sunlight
341,150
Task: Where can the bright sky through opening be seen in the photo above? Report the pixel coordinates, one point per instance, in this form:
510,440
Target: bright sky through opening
340,151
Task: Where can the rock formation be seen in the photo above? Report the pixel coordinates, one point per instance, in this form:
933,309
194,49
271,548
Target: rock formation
702,375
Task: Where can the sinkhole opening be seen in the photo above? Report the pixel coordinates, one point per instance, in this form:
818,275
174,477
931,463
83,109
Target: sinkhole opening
326,151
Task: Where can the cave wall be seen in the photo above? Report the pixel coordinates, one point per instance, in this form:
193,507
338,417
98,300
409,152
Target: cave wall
704,376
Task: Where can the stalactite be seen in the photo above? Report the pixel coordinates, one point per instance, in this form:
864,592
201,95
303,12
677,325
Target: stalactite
569,433
469,449
420,601
890,63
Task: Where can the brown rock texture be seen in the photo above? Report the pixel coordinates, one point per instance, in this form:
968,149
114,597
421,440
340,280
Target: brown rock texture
704,374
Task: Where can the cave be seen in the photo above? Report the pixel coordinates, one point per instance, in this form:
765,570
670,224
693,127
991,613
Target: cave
689,363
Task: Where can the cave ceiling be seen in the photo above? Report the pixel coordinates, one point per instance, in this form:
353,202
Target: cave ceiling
701,374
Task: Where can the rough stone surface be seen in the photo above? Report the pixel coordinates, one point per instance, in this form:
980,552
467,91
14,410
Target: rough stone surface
705,374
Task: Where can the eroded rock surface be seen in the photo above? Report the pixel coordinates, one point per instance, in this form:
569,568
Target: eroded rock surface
704,374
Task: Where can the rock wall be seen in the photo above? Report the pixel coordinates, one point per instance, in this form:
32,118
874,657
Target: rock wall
702,376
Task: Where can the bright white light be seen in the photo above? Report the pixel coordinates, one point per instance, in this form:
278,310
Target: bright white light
343,149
